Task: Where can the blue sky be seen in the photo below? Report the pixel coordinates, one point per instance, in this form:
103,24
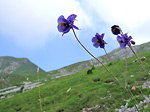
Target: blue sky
28,28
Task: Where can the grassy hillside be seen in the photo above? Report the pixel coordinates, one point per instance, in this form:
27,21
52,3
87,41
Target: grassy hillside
13,71
88,91
7,80
12,65
117,54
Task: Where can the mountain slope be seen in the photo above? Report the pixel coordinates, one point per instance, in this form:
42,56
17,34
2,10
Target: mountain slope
94,92
116,54
13,71
9,65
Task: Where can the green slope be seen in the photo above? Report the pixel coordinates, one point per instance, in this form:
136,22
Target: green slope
9,65
87,90
14,71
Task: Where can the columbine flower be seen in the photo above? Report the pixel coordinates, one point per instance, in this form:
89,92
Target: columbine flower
98,41
64,25
124,40
116,29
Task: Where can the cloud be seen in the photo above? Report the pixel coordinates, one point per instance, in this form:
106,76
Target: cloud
129,12
131,15
31,24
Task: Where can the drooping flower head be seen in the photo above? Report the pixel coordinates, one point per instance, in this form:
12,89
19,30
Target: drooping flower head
124,40
116,29
133,42
98,41
64,25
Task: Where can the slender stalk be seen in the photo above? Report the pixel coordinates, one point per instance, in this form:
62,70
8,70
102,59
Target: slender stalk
65,102
107,54
111,61
149,75
146,63
141,75
141,92
39,88
103,66
66,98
138,60
126,69
128,90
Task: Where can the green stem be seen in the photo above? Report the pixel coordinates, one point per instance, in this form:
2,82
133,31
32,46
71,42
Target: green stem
111,61
126,69
138,59
107,54
39,89
65,102
141,75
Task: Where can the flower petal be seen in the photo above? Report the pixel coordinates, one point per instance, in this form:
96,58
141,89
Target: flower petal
94,39
102,45
102,35
72,17
75,27
96,45
66,31
119,38
130,37
60,19
123,45
97,35
59,28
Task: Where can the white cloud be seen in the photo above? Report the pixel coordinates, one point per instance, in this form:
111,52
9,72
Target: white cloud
32,23
130,12
131,15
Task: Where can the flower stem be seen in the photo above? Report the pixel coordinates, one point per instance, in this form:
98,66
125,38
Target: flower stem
138,60
66,98
104,67
39,88
107,54
111,61
146,64
126,69
141,75
65,102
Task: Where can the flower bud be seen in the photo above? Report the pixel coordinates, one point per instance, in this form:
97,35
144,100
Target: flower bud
116,29
133,42
133,88
143,58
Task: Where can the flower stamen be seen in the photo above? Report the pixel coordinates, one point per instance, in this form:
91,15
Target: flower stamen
99,41
64,24
120,42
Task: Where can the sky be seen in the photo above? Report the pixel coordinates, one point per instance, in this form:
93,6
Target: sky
28,28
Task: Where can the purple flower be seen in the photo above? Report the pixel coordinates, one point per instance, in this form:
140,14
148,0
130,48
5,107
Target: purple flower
124,40
64,25
98,41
